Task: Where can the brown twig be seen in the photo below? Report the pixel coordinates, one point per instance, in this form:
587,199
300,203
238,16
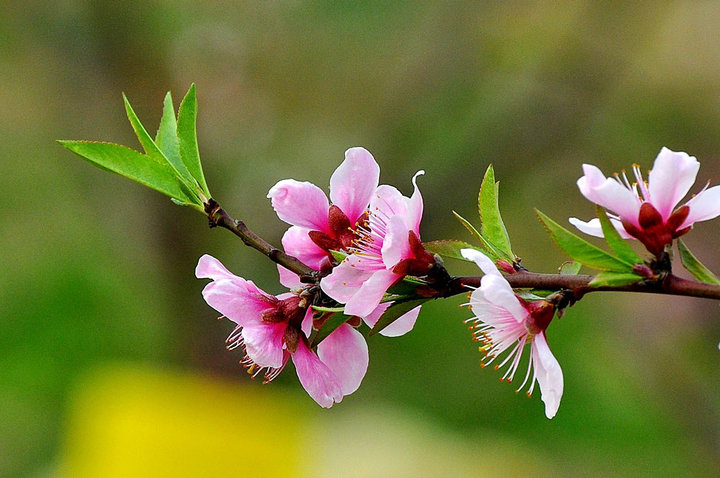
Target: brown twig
579,285
218,217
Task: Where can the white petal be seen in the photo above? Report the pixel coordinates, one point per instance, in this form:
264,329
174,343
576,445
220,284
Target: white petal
593,227
483,262
498,292
549,374
704,206
609,194
670,180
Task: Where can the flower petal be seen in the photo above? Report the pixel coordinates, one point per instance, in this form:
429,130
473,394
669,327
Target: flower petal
549,374
593,227
346,279
609,194
670,180
403,324
345,352
396,245
289,279
210,268
353,183
497,291
264,343
483,262
387,202
367,298
415,206
703,206
316,377
300,204
297,243
238,300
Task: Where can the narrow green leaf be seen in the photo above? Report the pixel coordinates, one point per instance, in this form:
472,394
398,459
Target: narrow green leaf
133,165
187,136
153,153
394,312
614,279
167,141
492,226
447,248
580,250
695,267
339,255
327,309
570,268
617,244
487,246
330,325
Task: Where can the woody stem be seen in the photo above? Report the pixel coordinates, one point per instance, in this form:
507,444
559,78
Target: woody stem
218,217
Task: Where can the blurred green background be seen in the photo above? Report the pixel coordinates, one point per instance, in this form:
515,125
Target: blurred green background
110,361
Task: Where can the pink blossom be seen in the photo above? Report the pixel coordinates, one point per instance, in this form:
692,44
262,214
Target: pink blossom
648,211
388,249
272,329
503,321
317,226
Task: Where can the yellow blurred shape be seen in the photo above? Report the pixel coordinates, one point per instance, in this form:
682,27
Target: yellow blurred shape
133,422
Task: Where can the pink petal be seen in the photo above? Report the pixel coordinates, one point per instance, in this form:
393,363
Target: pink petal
238,300
316,377
396,245
345,352
593,227
415,206
210,268
703,206
549,374
264,343
297,243
372,318
346,279
367,298
289,279
300,204
498,292
307,322
609,194
387,202
354,182
483,262
670,180
401,326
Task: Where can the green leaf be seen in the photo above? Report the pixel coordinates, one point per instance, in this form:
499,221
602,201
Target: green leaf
153,152
614,279
695,267
133,165
581,250
487,246
330,325
617,244
394,312
447,248
167,141
338,255
187,136
492,226
570,268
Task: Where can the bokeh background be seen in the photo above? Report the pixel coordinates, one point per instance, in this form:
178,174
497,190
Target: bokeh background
111,364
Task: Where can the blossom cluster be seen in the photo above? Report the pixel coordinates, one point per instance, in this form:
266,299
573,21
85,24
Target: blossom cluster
375,228
365,239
